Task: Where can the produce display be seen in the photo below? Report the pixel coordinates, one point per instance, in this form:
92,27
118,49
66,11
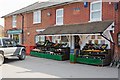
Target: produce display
96,54
52,49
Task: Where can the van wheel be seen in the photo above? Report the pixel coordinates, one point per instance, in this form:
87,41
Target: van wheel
1,59
23,55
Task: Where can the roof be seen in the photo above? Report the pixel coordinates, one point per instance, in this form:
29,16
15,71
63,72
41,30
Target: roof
37,6
84,28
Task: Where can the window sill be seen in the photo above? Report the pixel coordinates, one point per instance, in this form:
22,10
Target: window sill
14,26
58,24
94,20
37,23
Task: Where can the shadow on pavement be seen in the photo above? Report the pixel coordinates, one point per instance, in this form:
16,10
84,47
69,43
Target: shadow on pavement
7,60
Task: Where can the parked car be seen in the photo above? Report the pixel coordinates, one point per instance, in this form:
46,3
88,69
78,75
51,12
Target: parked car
8,47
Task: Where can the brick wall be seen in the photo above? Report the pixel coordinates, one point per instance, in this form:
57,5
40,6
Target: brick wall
70,17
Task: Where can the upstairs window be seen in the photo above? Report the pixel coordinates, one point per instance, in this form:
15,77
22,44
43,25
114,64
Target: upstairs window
36,17
96,11
59,16
14,21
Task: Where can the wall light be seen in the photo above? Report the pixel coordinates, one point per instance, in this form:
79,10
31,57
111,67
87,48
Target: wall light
48,14
28,33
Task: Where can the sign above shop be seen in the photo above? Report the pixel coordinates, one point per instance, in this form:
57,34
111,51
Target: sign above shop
85,4
14,31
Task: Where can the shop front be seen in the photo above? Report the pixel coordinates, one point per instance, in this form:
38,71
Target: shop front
15,34
88,43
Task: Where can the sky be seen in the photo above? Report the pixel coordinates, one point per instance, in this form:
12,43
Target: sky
8,6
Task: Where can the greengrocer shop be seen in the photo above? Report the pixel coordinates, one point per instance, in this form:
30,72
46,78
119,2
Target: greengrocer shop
89,43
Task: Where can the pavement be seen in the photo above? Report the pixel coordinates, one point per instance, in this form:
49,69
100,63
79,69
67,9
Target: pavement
34,67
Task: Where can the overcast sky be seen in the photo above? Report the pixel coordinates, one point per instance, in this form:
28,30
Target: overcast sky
8,6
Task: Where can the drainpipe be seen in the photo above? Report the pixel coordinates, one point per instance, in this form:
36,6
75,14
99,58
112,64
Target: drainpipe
116,19
22,28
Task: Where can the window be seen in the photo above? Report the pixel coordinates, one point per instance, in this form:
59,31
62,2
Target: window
16,38
118,39
0,42
99,37
64,39
59,16
96,11
39,39
93,37
37,17
14,21
102,42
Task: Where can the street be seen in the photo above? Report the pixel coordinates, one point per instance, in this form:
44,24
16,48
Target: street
34,67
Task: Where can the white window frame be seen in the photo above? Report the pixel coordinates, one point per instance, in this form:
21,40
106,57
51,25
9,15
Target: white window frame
14,21
92,11
38,37
61,16
37,17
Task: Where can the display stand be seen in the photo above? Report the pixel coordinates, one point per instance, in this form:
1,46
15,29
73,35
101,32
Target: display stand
51,51
94,56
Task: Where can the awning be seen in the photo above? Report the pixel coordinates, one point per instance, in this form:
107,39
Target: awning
84,28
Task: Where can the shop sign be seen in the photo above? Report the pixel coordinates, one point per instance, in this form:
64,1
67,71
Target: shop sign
14,31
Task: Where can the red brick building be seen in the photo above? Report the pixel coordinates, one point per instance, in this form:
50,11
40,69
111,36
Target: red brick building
24,24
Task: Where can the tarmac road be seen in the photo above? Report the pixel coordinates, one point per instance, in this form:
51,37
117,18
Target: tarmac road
34,67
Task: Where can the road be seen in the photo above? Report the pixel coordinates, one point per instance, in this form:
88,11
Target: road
34,67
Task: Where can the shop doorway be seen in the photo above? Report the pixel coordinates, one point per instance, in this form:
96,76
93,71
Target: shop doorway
15,37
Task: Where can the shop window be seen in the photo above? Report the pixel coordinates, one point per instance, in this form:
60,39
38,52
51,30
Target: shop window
39,39
64,39
96,41
118,39
93,37
99,37
14,21
90,41
36,17
96,10
58,39
102,41
11,36
53,39
59,16
16,38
